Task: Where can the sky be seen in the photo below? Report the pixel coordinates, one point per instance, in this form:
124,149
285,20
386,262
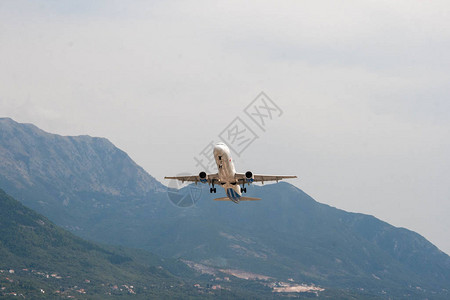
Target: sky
359,90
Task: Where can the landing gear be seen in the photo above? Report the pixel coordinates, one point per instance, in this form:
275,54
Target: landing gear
213,189
243,188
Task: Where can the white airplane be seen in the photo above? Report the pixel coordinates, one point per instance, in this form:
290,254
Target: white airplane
228,178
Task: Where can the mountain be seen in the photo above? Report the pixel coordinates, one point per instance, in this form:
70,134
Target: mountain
53,173
287,236
39,260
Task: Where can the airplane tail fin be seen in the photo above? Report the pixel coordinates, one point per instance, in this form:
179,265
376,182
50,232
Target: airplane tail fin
240,199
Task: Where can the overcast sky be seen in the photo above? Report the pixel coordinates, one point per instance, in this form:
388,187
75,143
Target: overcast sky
363,87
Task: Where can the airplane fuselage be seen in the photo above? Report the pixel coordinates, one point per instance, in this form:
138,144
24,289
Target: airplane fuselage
227,172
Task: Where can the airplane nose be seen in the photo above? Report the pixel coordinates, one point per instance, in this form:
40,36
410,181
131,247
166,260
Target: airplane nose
218,148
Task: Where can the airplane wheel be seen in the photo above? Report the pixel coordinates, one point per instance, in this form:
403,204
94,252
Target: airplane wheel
210,190
245,190
215,190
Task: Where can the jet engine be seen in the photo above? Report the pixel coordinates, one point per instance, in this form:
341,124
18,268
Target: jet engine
249,177
203,176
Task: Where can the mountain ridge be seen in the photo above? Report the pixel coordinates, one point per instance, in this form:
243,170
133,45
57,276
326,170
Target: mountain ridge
73,149
50,169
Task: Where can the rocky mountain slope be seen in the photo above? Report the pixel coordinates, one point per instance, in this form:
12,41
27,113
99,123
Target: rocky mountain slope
49,170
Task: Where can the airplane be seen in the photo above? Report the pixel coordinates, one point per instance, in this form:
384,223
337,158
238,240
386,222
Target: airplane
228,178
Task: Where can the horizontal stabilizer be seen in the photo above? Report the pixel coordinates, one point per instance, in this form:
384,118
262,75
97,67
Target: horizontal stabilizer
223,199
248,199
240,199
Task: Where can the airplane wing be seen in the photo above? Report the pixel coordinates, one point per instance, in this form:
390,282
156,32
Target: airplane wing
263,178
195,178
